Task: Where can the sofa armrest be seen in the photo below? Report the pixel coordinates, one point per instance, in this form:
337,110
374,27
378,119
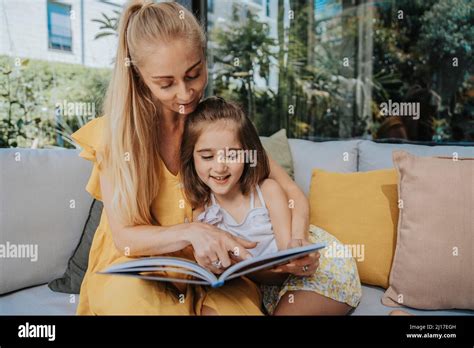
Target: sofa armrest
43,208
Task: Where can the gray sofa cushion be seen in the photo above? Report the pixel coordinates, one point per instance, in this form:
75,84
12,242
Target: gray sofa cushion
371,304
373,156
38,300
334,156
43,204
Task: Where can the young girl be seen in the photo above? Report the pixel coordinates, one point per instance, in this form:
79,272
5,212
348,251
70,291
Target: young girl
225,176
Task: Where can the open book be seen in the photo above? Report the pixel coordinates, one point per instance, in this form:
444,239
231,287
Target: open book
154,268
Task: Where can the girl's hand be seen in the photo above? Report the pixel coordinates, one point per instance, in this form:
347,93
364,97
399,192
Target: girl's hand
304,266
212,246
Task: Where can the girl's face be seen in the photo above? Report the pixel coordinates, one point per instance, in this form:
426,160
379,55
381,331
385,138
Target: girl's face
176,74
218,171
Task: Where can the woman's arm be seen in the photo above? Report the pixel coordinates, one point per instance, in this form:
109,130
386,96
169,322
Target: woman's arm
296,200
208,241
306,265
280,215
142,240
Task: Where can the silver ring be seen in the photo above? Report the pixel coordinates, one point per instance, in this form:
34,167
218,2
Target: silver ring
217,263
305,268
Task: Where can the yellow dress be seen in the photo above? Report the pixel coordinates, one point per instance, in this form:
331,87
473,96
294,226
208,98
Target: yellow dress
118,295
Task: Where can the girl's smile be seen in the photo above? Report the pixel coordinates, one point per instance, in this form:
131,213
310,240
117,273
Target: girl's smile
221,180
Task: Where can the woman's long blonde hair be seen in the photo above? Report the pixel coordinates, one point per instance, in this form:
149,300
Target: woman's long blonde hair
131,156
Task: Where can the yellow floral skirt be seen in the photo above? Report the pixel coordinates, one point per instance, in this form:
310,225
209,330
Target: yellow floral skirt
336,277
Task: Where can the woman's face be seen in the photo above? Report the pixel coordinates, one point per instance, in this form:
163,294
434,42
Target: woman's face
176,74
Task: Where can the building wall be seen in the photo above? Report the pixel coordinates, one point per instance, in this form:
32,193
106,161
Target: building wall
24,32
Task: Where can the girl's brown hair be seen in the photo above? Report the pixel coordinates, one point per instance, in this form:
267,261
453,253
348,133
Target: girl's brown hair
210,111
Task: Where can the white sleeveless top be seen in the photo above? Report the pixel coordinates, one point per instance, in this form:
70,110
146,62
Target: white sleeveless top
256,226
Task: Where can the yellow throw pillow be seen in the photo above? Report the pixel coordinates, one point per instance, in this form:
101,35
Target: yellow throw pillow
361,210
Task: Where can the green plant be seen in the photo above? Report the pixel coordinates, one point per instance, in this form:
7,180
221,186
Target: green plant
425,43
32,90
240,49
108,24
20,98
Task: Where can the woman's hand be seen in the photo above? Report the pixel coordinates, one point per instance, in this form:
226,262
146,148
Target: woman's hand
212,246
304,266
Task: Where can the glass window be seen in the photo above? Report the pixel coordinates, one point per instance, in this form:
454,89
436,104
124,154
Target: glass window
59,26
397,70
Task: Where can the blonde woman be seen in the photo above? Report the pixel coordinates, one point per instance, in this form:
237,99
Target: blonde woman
159,78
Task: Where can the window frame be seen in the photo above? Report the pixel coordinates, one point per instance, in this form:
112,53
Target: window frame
49,5
200,8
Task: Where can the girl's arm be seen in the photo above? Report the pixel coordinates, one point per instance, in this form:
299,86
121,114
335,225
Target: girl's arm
277,205
298,200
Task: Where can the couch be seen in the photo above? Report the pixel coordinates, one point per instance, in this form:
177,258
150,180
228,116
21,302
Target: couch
44,203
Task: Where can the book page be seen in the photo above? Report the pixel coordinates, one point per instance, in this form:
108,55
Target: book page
268,261
151,263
